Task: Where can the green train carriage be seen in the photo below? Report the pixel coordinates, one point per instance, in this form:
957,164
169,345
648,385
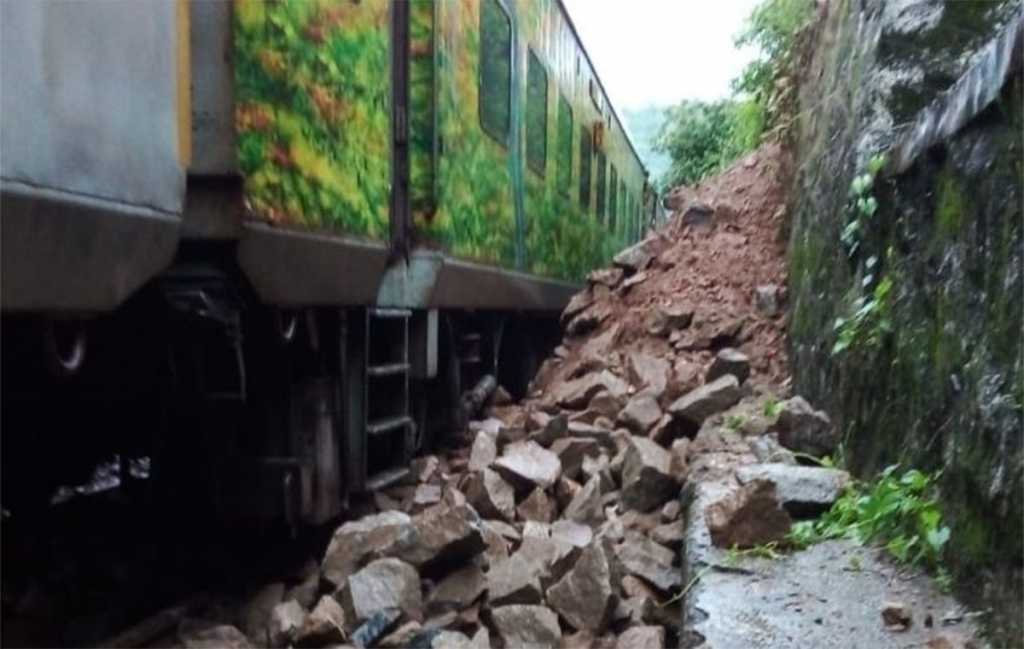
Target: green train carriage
367,209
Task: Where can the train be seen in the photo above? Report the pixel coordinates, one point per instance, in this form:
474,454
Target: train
276,248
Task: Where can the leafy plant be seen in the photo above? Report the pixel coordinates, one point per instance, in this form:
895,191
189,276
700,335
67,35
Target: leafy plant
863,206
772,28
870,322
735,555
772,407
701,138
898,511
734,422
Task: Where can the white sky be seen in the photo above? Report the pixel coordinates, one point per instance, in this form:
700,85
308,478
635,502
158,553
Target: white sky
661,51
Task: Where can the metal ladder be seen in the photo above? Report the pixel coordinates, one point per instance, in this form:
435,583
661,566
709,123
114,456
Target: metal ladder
389,427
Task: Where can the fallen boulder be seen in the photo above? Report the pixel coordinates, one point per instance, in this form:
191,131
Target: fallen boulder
527,465
537,507
458,590
576,394
647,480
709,399
513,581
748,516
527,626
483,452
642,637
491,495
644,558
440,537
379,624
572,450
635,258
584,596
804,491
382,584
285,621
356,540
324,625
729,361
641,413
585,507
803,429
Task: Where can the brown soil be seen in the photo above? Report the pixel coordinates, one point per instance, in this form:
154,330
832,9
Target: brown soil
711,268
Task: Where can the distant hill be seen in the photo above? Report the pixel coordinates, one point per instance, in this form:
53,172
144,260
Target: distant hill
644,125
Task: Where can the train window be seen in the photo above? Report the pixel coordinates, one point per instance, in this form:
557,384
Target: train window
600,185
586,150
564,145
495,70
613,200
536,114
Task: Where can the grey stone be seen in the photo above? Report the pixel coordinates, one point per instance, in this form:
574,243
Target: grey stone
576,394
553,428
458,590
577,305
641,413
729,361
642,637
572,532
635,258
670,535
747,516
402,637
647,480
356,540
604,404
584,595
766,448
537,507
709,399
513,582
548,558
382,584
644,558
610,277
803,490
601,434
565,491
648,372
483,452
426,495
803,429
527,465
441,536
535,627
285,621
585,507
481,639
491,495
572,450
506,530
600,467
324,625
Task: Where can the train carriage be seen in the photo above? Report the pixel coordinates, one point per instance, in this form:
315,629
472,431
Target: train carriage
292,241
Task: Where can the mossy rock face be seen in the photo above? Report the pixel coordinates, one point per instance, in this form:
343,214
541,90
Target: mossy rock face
944,388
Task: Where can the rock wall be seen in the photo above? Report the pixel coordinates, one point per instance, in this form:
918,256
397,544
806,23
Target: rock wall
933,375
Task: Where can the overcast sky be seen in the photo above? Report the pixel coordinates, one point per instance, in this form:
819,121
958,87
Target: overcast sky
661,51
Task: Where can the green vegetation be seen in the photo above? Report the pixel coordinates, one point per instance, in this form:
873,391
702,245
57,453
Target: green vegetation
862,206
701,137
735,422
772,407
870,322
899,511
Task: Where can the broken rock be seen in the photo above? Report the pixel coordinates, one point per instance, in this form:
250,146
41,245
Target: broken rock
641,413
285,621
648,372
441,536
572,450
572,532
382,584
537,507
370,631
513,582
896,616
491,495
221,636
644,558
729,361
354,541
767,299
803,490
642,637
584,595
324,625
458,590
527,465
483,452
647,480
748,516
803,429
576,394
585,507
709,399
527,626
634,258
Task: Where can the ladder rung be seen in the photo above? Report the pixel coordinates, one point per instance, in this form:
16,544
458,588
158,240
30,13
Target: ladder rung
384,425
388,370
386,478
390,313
